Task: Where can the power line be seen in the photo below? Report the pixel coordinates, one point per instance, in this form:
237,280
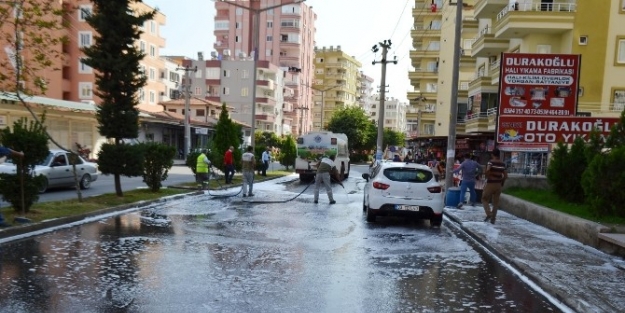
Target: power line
399,19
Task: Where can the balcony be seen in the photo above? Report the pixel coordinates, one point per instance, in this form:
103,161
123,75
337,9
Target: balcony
289,43
337,65
427,9
284,57
493,72
425,32
423,74
266,84
485,44
266,117
489,8
421,52
527,18
467,61
266,100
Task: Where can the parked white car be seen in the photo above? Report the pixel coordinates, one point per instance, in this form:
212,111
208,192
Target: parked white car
58,170
403,189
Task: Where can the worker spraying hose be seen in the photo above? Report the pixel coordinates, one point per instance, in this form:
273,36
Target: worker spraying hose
326,169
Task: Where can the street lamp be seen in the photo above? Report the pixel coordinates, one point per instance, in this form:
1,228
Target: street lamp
255,40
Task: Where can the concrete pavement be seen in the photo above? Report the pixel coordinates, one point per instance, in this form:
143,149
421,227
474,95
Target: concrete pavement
580,276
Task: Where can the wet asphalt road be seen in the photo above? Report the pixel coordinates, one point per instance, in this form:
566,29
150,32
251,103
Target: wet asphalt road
201,254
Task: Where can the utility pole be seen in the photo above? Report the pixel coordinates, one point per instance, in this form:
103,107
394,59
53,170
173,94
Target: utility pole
187,109
453,117
386,45
255,12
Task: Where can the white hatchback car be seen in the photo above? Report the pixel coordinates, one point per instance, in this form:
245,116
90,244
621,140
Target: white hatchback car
404,189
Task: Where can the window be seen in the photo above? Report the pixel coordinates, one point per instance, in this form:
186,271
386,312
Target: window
200,112
153,27
269,52
84,11
239,11
198,91
84,39
152,51
152,97
620,51
244,92
172,110
618,98
226,91
222,25
319,71
319,60
289,23
236,38
152,74
84,68
85,90
141,95
269,38
212,73
468,43
434,46
237,25
142,46
245,74
543,48
583,40
291,9
270,12
269,24
226,73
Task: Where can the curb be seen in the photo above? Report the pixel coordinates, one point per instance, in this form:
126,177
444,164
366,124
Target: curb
32,227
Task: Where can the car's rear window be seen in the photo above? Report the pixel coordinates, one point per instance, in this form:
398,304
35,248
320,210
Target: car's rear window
408,175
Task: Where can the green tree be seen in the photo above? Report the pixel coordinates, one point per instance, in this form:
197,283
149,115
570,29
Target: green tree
577,164
115,59
353,122
267,139
159,158
288,151
617,134
557,169
393,138
604,181
30,138
227,133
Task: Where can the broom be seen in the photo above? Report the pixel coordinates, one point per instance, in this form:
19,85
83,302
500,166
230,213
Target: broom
22,219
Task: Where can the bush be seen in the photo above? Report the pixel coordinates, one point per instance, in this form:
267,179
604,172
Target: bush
121,159
191,161
30,138
604,182
159,158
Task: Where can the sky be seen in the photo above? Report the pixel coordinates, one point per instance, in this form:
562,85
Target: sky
355,25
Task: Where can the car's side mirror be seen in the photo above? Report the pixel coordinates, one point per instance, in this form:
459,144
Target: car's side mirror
366,176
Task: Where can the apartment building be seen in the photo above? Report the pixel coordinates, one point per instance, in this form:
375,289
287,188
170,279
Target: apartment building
365,92
229,80
336,85
432,58
78,80
394,112
286,39
489,27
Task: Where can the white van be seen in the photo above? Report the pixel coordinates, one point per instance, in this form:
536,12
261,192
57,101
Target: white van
313,146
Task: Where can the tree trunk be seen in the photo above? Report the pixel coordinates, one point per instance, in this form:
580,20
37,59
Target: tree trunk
118,186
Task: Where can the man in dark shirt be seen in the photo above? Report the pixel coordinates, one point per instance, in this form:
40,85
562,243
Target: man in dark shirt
496,175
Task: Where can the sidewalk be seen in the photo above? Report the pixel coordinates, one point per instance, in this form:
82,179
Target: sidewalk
583,278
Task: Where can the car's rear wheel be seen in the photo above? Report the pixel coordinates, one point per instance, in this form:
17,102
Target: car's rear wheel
43,186
370,216
436,221
85,181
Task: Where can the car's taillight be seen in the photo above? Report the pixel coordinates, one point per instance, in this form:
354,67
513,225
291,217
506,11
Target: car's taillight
436,189
378,185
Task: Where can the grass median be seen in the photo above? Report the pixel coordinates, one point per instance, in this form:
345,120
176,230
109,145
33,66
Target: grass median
550,200
65,208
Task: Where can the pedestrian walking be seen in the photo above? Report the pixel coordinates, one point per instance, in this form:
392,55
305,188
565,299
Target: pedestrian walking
441,168
266,158
229,165
326,169
202,167
8,152
496,175
248,164
469,169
